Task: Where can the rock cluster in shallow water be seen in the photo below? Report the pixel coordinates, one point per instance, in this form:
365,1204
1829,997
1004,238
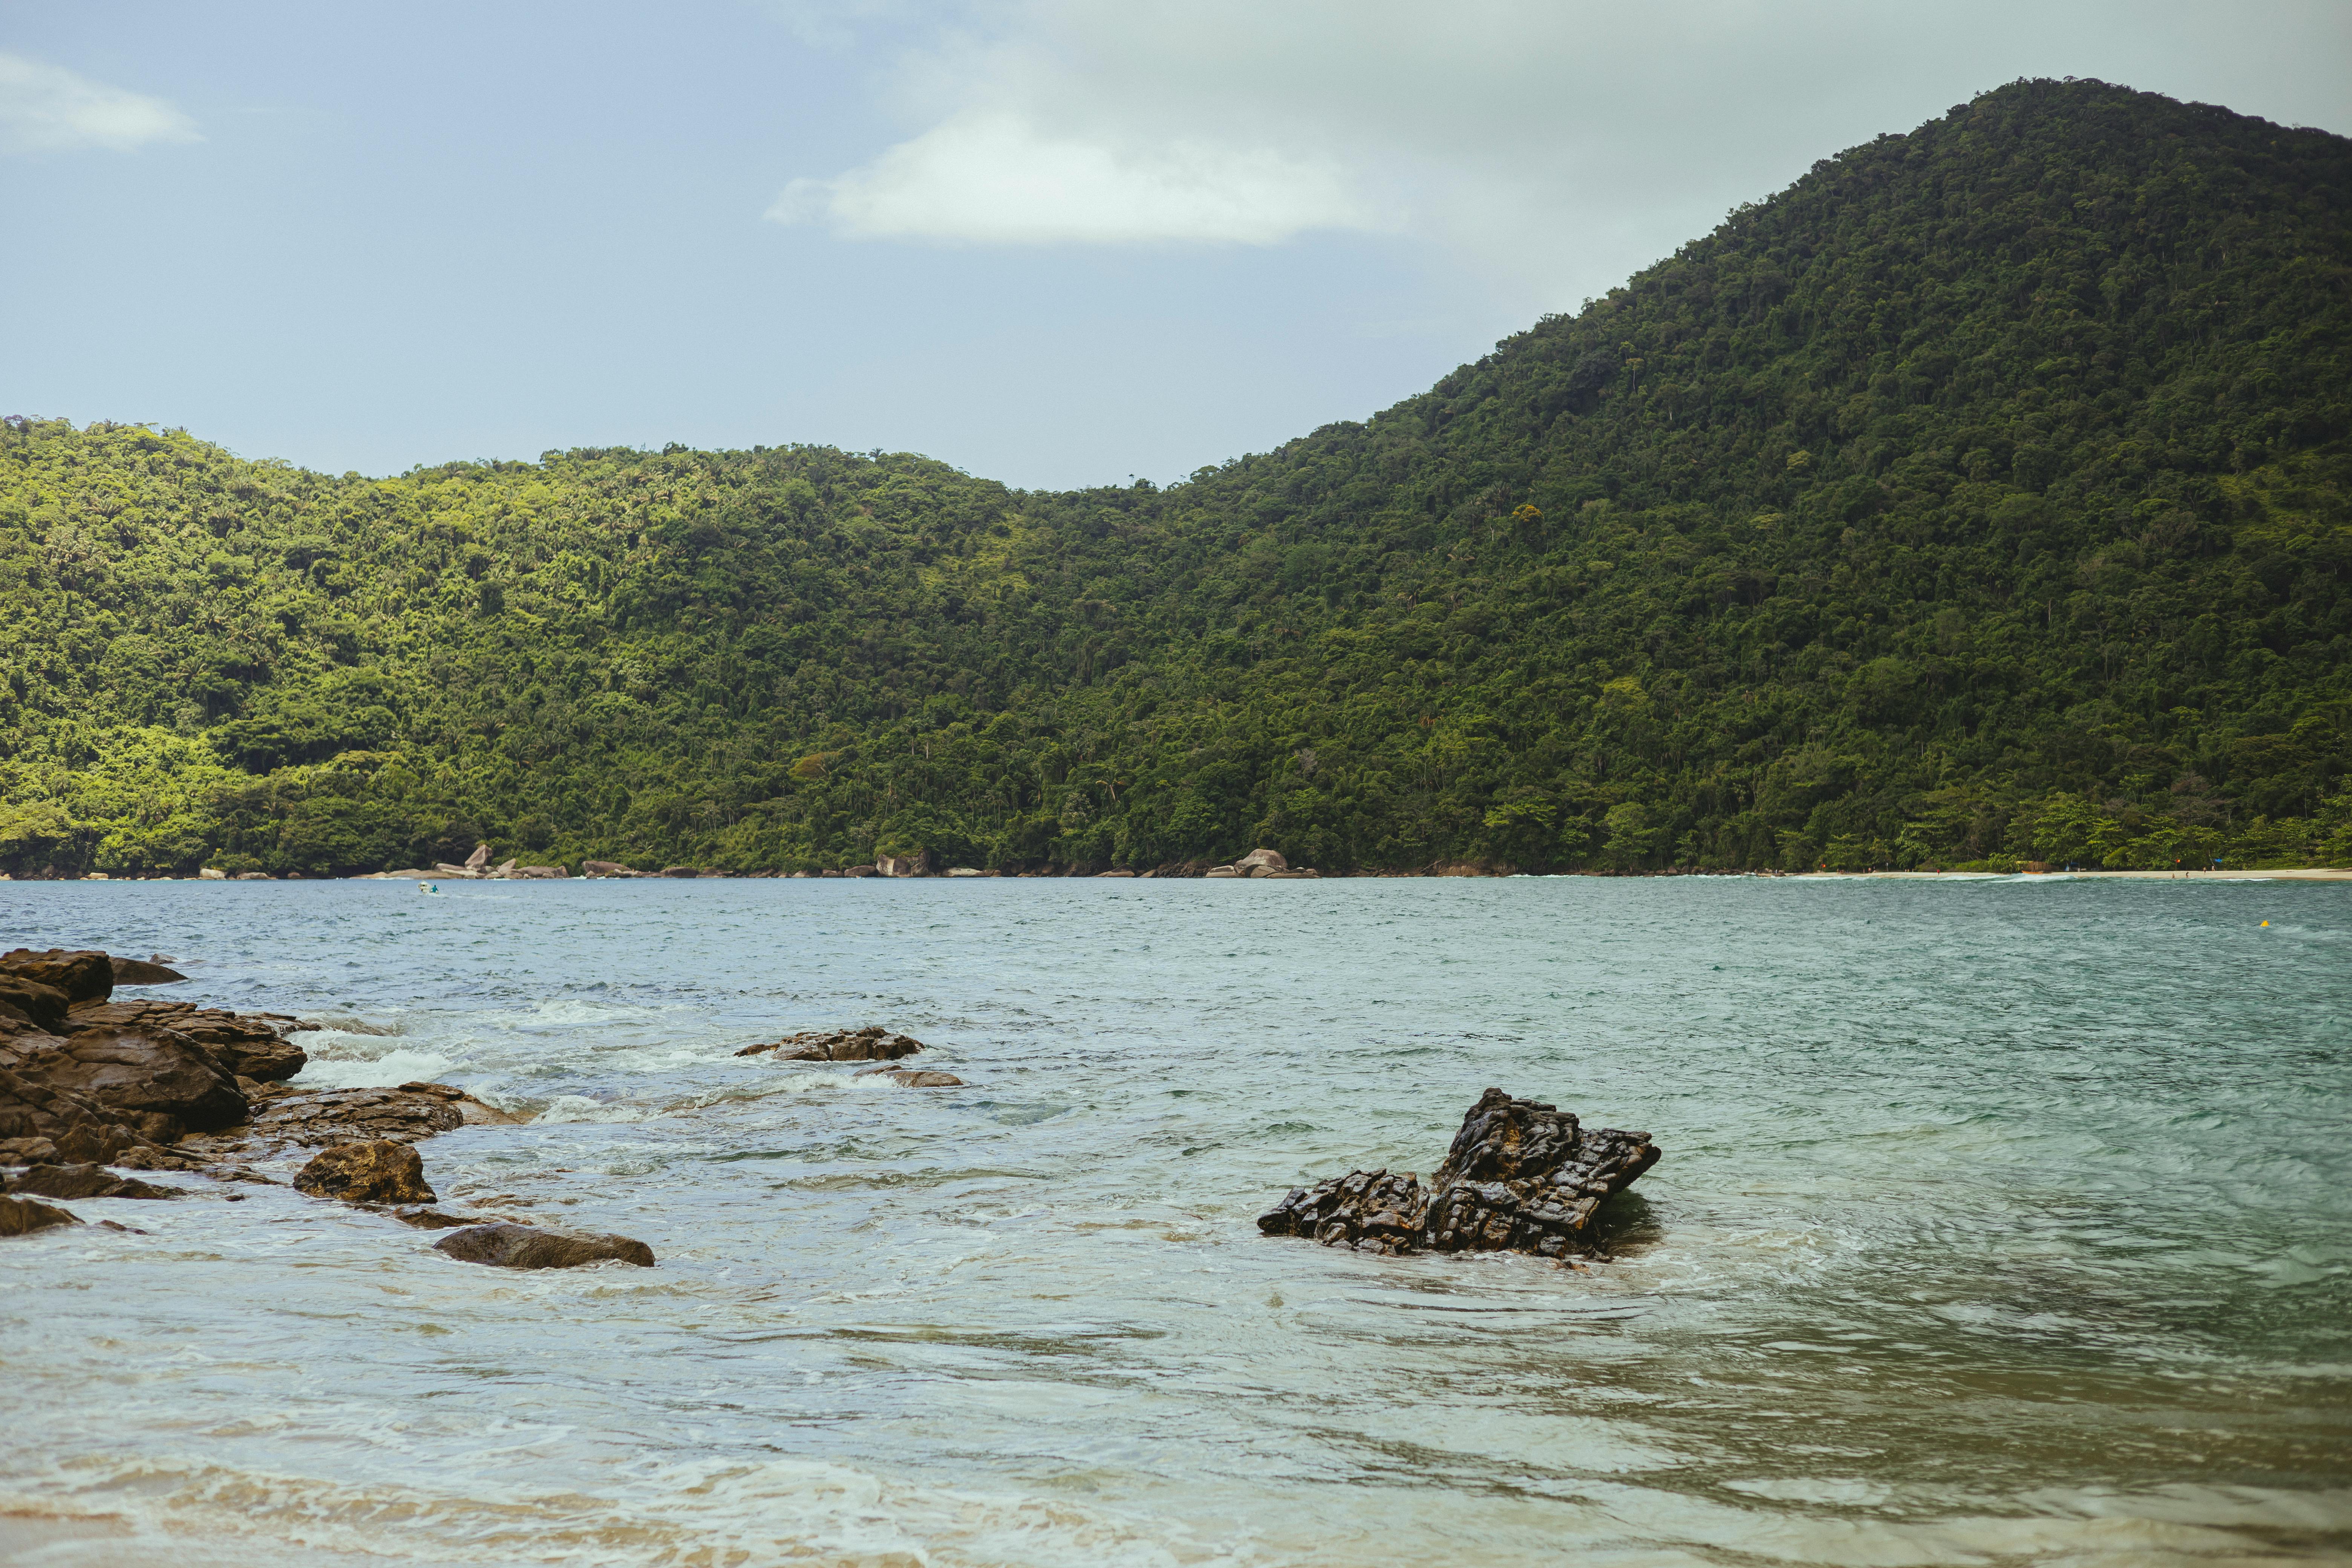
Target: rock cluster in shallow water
1522,1176
870,1044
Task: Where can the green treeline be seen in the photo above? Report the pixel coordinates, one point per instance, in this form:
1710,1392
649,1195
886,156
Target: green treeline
1986,496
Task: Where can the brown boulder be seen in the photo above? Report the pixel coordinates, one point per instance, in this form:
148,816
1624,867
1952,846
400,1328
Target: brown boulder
527,1246
88,1181
22,1216
84,975
140,971
244,1044
382,1171
42,1123
606,868
150,1076
1269,858
32,1005
680,871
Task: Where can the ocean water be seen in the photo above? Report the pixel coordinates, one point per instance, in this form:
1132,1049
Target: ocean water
2001,1221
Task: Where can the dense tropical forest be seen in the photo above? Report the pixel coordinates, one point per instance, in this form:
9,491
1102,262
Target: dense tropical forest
1984,496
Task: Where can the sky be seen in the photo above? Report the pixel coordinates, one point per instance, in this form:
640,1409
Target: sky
1055,244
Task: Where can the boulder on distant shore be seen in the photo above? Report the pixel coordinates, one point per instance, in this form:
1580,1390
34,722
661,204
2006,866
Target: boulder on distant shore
527,1246
1225,871
918,864
1522,1176
608,868
871,1043
680,871
83,1180
383,1171
22,1216
537,873
478,858
1270,858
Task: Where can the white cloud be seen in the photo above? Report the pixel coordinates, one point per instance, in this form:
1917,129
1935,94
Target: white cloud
48,109
1555,144
993,177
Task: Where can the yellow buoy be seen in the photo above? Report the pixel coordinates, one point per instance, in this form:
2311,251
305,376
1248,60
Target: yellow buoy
2266,923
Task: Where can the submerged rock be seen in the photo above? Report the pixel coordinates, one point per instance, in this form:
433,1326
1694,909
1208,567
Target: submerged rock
870,1044
915,1077
527,1246
22,1216
85,1181
411,1112
1522,1176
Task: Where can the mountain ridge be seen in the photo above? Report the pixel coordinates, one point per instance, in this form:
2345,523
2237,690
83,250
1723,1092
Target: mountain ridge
1981,498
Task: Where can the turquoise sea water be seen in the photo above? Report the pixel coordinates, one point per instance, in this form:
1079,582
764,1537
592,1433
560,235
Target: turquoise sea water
1998,1221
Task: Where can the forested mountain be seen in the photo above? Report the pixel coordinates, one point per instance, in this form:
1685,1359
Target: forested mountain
1985,495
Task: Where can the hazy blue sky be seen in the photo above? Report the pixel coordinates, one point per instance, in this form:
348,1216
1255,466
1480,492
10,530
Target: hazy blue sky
1051,243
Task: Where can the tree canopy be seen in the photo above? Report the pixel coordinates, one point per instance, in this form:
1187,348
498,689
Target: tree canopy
1986,496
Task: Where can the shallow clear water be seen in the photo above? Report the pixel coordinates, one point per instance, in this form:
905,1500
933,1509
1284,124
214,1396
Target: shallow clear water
1998,1221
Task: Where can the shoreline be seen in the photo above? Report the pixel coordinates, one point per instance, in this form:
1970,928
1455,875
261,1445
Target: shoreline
2286,874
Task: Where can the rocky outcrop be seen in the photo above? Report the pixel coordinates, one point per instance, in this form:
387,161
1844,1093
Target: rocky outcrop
478,858
1521,1177
29,1007
84,1181
382,1172
245,1045
143,971
871,1043
527,1246
412,1110
537,873
158,1082
1267,859
41,1123
918,864
22,1216
83,975
608,868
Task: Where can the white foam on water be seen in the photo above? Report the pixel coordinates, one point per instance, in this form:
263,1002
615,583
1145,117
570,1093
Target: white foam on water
377,1069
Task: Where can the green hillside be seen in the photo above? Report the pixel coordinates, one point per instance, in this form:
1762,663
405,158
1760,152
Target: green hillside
1986,495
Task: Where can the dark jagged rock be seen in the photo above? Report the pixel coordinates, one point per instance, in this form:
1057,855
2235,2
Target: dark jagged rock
22,1216
871,1043
85,1181
245,1045
140,972
411,1112
1522,1176
159,1081
382,1172
527,1246
43,1123
84,975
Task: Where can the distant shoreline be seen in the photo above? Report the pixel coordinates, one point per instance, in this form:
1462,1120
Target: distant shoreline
2294,874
